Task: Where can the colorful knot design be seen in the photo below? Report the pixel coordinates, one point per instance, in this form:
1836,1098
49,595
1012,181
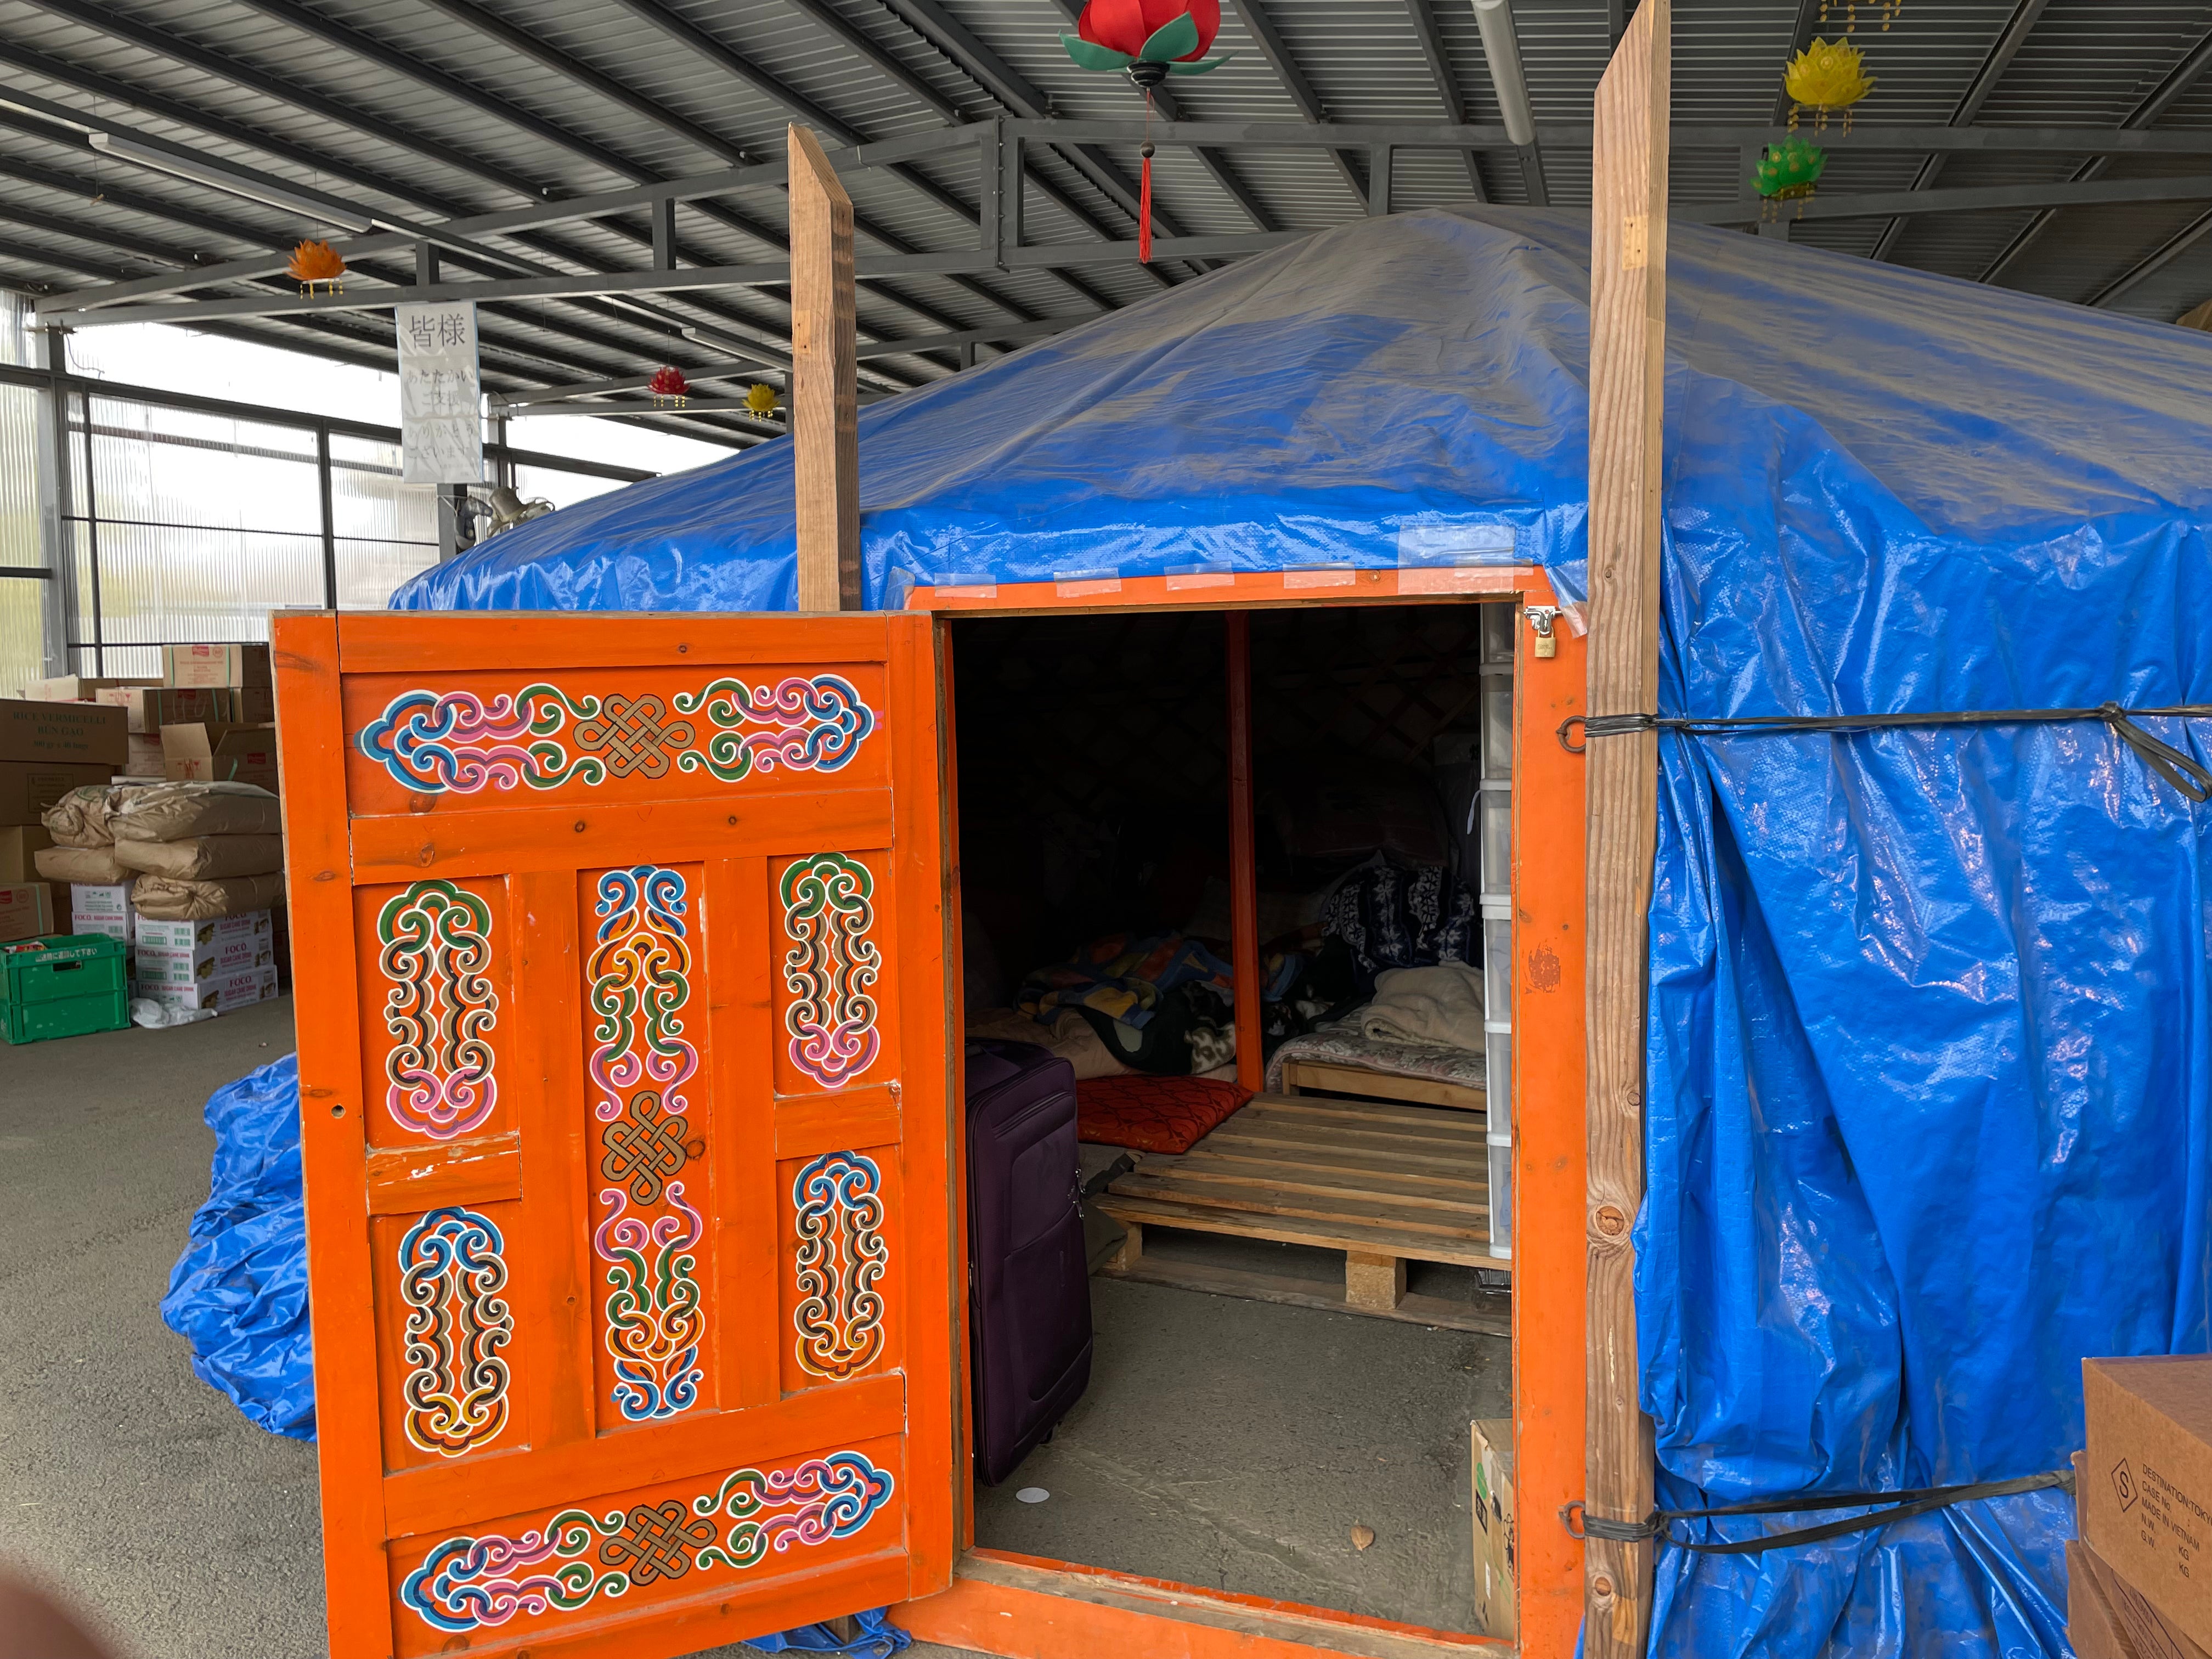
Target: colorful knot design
451,1272
830,968
436,946
841,1254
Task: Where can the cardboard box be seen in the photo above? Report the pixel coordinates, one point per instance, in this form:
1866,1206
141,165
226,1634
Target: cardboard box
214,665
2092,1627
253,705
144,760
18,842
28,787
2139,1628
2145,1499
250,925
76,688
210,753
148,709
27,910
191,953
237,990
1497,1565
69,733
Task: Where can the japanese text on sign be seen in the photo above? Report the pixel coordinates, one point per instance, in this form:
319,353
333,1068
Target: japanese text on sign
441,429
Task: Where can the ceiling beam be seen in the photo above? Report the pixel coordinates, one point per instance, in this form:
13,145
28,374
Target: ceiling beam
2162,97
1446,83
1299,89
2154,262
1978,198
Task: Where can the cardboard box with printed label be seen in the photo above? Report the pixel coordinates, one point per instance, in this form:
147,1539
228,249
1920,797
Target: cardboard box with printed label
220,754
2145,1497
1496,1563
219,991
76,688
27,910
62,734
28,787
2133,1627
214,665
144,760
253,925
18,843
148,709
190,952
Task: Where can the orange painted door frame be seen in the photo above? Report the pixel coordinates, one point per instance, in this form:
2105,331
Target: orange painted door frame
1032,1609
626,1119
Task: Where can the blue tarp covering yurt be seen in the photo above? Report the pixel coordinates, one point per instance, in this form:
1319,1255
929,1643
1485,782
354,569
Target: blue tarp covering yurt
1930,1054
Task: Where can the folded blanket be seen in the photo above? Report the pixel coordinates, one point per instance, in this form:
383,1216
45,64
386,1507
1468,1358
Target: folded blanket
165,898
93,866
1440,1006
202,858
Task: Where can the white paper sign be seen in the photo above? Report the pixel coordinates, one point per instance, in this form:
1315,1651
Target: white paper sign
441,395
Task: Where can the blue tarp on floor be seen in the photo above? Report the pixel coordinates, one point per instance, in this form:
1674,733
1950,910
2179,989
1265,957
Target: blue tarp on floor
1929,1094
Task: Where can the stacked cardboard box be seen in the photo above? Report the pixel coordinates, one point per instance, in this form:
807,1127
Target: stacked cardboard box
223,962
1497,1571
47,750
208,718
105,908
2139,1581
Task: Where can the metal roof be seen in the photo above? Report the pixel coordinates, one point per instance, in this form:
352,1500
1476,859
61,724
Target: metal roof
423,111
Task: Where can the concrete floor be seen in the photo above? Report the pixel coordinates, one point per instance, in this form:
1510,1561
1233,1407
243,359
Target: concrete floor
1234,1445
130,1489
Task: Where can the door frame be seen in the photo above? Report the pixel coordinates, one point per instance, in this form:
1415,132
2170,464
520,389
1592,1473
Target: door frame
1031,1608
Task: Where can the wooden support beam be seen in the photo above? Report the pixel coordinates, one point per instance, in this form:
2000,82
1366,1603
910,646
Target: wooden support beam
824,391
1243,855
1628,354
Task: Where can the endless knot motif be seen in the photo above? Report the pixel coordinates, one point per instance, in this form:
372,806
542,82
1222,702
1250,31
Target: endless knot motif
644,1148
629,735
451,1272
659,1539
841,1253
464,1583
436,946
434,742
831,968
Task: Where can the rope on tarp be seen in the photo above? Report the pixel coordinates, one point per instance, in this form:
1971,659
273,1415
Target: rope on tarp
1894,1506
2178,769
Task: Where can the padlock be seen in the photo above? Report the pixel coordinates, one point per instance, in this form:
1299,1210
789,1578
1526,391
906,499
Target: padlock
1541,618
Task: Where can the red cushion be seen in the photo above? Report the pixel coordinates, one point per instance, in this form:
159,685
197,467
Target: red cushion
1153,1114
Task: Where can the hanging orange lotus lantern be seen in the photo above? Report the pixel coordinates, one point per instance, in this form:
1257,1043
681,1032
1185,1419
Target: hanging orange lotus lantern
1148,40
669,386
313,262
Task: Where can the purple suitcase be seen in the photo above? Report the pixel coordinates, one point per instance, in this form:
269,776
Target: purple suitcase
1028,1281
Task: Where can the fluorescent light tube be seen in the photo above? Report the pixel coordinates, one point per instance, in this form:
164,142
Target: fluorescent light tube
252,189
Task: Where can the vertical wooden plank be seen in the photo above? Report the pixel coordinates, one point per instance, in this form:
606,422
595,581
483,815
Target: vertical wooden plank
824,386
931,1111
333,1130
743,947
1549,1191
1243,855
1628,345
541,1069
956,1021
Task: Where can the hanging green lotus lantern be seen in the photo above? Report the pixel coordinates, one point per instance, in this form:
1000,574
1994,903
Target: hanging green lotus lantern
1787,172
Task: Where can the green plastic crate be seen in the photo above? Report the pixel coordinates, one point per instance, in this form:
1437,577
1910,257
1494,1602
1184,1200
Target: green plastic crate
63,985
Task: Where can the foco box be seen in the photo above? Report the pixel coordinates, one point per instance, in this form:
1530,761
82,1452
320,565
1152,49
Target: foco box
67,733
236,990
164,967
2145,1495
27,910
28,787
1496,1563
206,932
214,665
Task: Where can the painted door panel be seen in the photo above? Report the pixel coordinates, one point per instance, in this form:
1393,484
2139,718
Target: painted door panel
626,1123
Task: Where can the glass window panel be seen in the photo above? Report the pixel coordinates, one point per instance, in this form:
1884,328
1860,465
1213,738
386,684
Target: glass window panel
368,571
1497,729
1496,813
23,637
158,584
368,501
168,466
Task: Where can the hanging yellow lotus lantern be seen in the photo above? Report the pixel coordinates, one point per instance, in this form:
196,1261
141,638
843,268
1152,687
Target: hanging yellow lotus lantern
760,399
1826,76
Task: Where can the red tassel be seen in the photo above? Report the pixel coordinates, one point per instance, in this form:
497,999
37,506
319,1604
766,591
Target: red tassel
1144,212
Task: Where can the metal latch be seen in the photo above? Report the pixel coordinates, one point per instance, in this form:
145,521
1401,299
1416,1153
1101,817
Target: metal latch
1541,617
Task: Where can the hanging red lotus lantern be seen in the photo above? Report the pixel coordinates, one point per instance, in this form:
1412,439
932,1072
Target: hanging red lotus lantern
313,262
668,384
1148,40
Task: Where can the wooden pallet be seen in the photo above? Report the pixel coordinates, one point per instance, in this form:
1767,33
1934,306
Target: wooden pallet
1384,1182
1324,1077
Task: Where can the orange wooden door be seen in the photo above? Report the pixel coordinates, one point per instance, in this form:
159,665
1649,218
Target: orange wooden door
620,968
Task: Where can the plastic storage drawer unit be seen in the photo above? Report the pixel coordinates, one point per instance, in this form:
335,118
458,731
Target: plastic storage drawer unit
63,985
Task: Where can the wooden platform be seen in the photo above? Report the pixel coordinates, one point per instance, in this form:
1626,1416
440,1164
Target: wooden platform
1384,1182
1315,1076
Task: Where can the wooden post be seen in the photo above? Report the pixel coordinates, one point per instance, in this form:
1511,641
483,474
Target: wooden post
824,391
1628,349
1243,875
